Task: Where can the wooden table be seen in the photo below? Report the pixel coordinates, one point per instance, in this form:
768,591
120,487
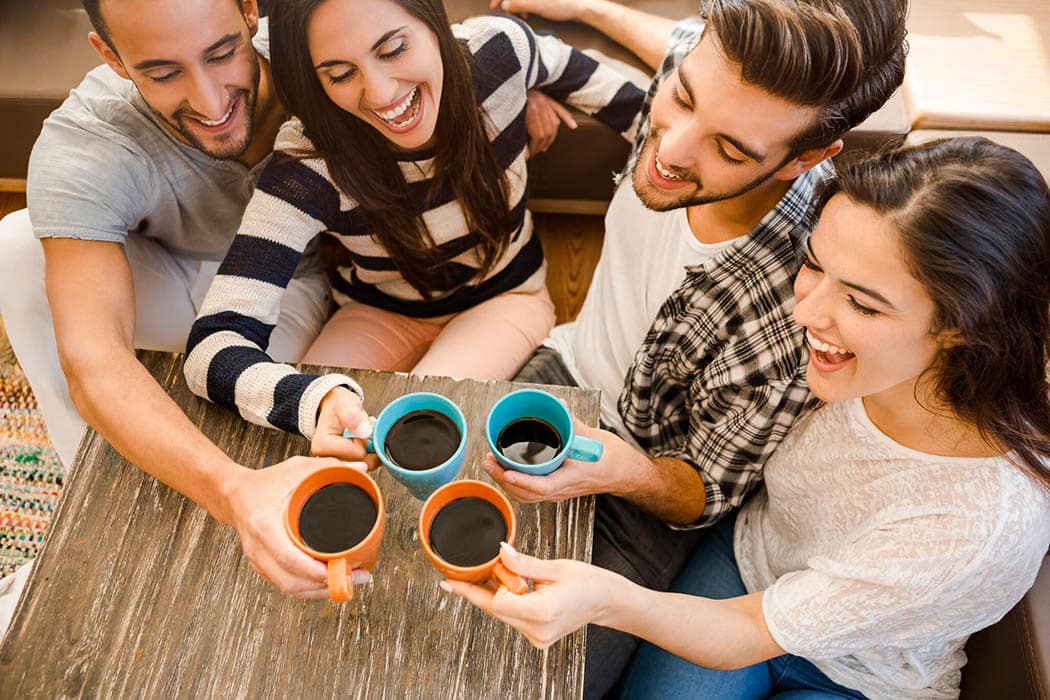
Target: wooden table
138,593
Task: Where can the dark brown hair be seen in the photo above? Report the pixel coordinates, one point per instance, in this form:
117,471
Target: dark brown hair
974,222
363,166
98,23
845,56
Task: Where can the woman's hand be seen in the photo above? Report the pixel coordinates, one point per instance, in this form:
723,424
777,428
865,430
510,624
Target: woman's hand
568,595
543,117
341,410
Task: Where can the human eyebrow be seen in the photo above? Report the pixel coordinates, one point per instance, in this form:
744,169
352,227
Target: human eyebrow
852,285
222,42
386,37
159,62
739,145
685,86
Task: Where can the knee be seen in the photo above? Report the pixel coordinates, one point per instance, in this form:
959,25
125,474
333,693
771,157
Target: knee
22,263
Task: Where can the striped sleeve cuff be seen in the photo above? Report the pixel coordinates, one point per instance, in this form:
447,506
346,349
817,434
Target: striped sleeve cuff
312,395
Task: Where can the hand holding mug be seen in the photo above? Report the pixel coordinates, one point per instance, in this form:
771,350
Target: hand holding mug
461,528
567,595
341,410
336,515
255,504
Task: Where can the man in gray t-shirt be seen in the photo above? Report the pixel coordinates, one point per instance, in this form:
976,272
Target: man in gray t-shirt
136,188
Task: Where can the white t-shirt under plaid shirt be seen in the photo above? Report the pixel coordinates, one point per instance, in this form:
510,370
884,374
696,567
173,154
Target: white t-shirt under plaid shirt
719,376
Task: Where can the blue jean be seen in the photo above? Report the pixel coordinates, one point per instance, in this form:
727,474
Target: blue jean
712,573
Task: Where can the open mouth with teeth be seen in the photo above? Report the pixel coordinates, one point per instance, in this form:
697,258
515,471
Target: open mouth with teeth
405,114
664,172
223,121
828,354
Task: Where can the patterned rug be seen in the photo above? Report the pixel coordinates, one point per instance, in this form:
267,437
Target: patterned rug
31,474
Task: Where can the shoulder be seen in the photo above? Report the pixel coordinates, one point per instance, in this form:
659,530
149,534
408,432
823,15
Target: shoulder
684,37
496,37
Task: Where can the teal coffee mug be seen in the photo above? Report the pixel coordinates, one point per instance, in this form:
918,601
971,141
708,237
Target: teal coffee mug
421,439
531,431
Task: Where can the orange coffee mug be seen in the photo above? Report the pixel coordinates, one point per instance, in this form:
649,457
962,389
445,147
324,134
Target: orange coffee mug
492,569
329,518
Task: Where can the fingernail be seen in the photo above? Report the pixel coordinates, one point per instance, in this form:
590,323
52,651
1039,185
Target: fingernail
445,586
362,577
508,548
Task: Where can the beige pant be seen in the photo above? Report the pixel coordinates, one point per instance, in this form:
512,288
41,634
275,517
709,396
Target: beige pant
489,341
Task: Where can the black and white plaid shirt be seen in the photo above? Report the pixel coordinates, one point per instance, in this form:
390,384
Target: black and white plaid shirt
720,376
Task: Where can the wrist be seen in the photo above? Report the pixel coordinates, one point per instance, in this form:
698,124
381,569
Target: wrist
229,486
617,597
597,13
630,468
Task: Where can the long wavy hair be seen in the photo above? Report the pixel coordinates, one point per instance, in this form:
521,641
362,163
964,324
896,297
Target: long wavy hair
364,167
974,222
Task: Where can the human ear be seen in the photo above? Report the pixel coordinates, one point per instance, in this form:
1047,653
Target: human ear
106,52
808,159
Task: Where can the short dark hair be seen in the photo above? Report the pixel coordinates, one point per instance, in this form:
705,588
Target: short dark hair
844,56
974,224
94,12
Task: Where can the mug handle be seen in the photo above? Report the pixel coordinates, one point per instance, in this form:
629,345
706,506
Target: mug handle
369,446
513,582
340,585
586,449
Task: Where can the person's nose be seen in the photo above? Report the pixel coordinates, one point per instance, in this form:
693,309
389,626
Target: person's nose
208,97
679,146
380,89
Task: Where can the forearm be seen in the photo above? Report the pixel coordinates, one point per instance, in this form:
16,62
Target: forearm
643,34
666,488
719,634
119,398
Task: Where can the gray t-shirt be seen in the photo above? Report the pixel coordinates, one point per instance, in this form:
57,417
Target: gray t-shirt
105,168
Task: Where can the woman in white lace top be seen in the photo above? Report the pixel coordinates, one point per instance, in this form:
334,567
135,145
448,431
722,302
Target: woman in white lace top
909,512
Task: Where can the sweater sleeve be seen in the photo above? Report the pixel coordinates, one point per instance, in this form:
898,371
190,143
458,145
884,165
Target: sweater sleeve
226,359
571,76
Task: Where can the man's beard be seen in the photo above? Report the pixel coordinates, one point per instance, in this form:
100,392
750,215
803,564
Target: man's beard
223,147
644,189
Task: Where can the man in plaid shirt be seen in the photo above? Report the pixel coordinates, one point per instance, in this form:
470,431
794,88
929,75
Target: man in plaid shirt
687,325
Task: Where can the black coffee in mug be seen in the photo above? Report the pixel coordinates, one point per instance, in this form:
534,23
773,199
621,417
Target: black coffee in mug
467,532
529,441
337,517
422,440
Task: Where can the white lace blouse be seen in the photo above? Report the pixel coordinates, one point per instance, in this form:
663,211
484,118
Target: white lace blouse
877,561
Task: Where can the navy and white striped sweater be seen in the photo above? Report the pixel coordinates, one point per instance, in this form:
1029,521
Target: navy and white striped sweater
295,200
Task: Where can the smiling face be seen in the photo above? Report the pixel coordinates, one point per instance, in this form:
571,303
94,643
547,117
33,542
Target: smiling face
194,65
867,319
386,72
713,136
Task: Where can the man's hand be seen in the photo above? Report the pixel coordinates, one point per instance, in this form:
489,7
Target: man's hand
558,10
573,478
543,117
341,409
256,501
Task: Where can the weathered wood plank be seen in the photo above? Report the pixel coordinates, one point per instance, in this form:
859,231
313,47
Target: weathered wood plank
139,593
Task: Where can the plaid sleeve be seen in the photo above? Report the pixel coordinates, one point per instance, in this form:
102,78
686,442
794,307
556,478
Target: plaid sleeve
732,431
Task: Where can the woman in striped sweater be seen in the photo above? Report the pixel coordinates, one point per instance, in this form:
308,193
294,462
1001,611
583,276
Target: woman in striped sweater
408,153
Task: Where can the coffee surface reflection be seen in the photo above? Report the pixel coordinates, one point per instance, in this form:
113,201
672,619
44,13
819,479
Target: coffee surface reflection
529,441
421,440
